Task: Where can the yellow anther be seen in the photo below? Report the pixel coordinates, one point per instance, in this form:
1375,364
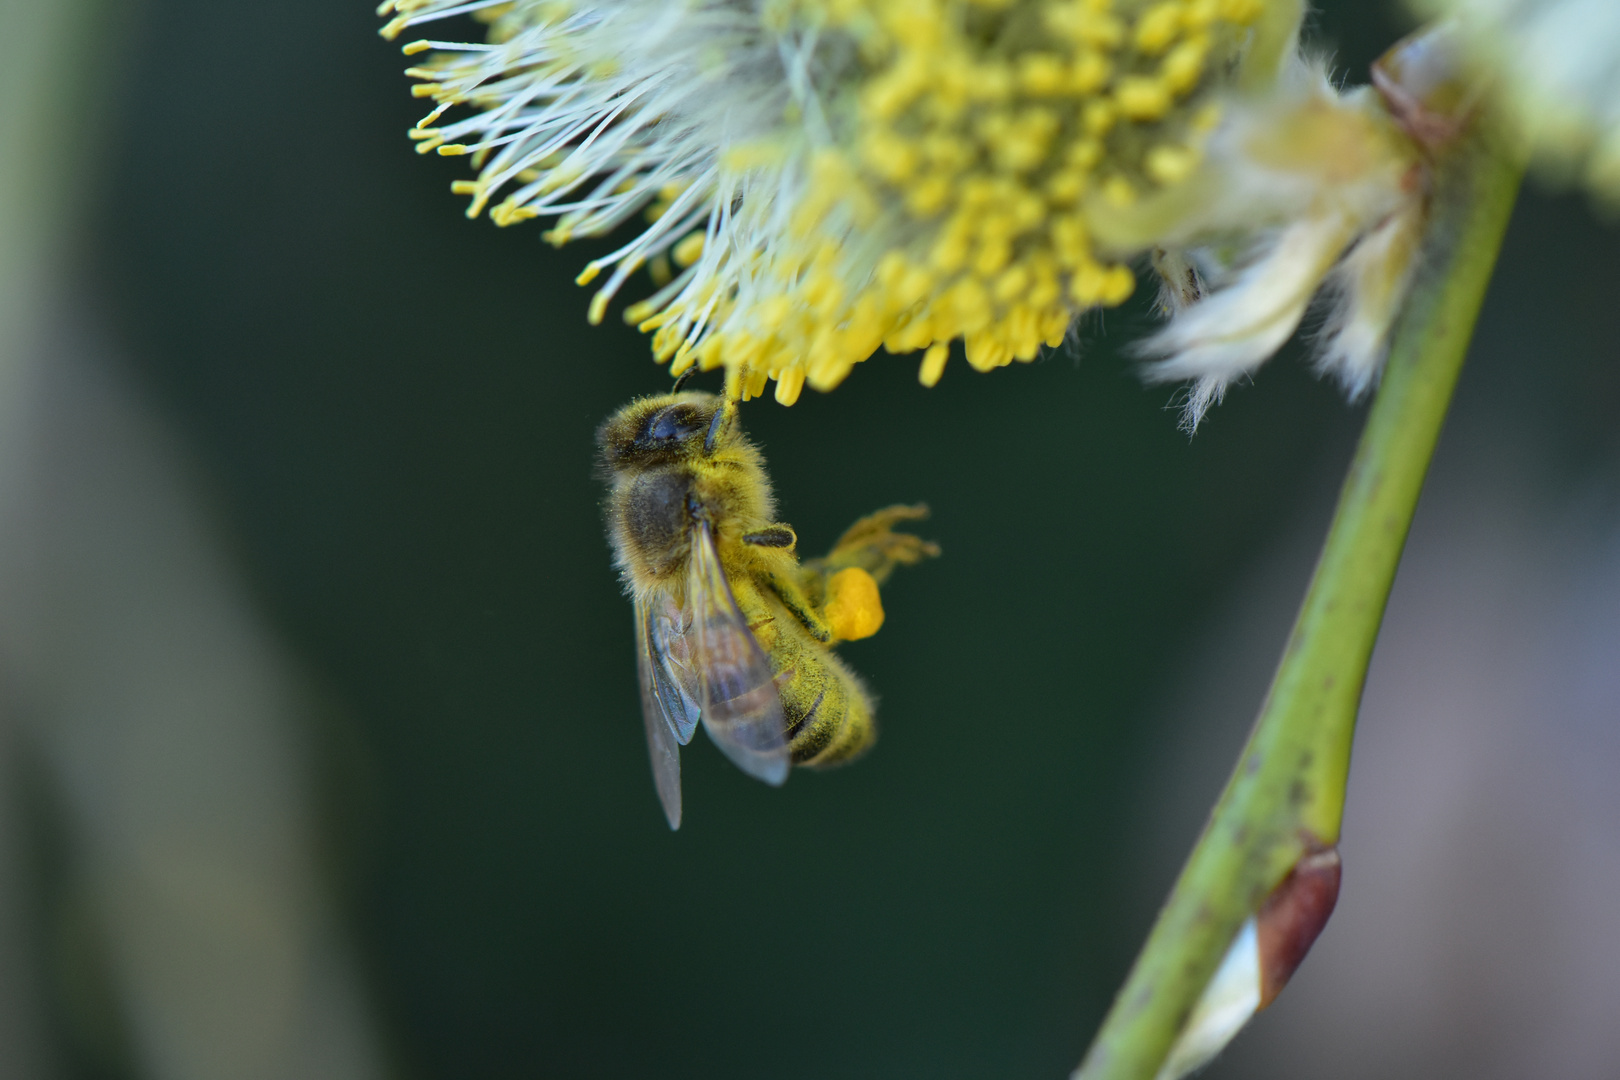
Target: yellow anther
1012,284
1065,187
1119,191
1241,11
598,308
1041,74
1117,286
1185,64
933,364
689,250
1098,117
1089,73
1169,164
453,150
588,275
789,384
1158,27
1140,98
463,187
414,47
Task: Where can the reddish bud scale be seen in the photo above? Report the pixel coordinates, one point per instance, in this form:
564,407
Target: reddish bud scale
1292,917
1425,88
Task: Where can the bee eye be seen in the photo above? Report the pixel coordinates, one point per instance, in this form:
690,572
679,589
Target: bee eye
671,425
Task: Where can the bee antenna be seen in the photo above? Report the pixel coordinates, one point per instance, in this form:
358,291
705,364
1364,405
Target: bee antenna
721,415
681,379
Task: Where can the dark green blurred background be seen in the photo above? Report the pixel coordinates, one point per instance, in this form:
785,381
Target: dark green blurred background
394,408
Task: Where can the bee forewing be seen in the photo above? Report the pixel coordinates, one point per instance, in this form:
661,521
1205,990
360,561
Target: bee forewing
741,707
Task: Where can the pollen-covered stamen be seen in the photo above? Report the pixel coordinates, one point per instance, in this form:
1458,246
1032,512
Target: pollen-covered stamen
896,173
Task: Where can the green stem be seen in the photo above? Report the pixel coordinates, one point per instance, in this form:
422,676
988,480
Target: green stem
1288,788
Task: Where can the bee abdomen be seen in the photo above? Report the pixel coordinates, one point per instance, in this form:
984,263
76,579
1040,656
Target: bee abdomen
828,718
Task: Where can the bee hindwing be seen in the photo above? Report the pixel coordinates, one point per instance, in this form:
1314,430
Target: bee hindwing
741,707
669,708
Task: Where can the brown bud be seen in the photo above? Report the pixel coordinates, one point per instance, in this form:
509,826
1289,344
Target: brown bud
1293,915
1424,86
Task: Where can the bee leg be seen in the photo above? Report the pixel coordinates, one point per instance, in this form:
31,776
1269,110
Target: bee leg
872,544
797,603
773,536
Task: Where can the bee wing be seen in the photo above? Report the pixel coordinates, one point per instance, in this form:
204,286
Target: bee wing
668,709
741,707
669,647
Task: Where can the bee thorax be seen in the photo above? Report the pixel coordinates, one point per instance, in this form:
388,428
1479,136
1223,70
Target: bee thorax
656,521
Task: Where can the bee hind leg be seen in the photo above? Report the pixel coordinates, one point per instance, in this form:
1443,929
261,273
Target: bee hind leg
871,544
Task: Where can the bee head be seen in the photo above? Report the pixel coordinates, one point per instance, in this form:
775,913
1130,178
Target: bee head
665,429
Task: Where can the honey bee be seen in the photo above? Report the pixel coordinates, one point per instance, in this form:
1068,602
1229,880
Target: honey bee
731,629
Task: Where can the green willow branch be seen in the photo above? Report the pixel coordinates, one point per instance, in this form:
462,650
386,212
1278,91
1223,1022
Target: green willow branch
1286,796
